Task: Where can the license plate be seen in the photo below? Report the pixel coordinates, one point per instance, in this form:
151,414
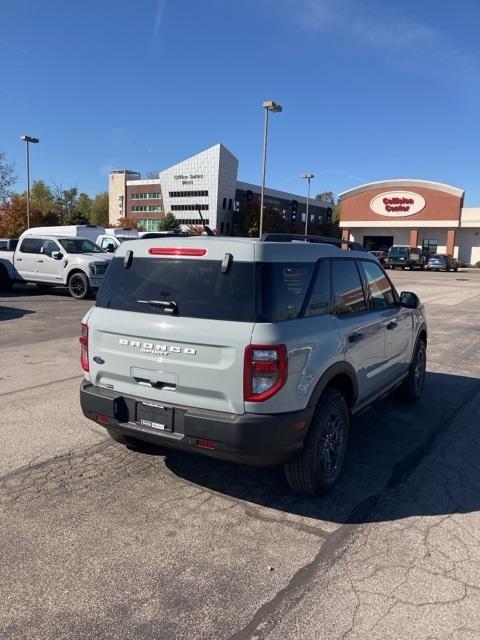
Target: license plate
155,416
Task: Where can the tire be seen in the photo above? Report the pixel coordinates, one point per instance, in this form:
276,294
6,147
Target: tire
311,470
412,388
447,269
5,283
455,269
392,268
422,267
118,437
78,286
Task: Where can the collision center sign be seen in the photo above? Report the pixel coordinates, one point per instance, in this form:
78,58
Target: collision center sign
397,204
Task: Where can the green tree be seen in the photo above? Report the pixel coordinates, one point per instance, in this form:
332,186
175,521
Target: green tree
84,205
66,201
41,196
273,221
99,210
7,177
326,196
168,222
76,217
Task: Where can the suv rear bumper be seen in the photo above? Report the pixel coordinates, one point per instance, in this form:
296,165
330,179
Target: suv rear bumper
256,439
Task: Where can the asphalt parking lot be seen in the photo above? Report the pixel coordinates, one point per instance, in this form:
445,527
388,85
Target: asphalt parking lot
98,541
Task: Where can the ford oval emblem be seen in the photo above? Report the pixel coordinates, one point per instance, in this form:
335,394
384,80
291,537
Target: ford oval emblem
98,360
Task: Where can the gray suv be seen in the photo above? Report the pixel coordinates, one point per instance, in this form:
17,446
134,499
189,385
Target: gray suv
248,350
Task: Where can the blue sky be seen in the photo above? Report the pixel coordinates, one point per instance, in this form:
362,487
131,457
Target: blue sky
370,90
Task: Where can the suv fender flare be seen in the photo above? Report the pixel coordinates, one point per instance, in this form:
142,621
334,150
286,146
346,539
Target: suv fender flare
422,329
335,370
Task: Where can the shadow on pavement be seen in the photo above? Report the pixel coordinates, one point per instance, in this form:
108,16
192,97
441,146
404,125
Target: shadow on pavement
386,445
11,313
31,290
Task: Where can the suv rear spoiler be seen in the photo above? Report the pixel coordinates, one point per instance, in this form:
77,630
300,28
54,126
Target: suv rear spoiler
298,237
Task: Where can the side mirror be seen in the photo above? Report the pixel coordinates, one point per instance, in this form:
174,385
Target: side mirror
409,300
110,248
57,255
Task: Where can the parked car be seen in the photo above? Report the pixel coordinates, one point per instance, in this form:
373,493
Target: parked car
405,257
8,244
248,350
51,260
380,256
442,262
111,239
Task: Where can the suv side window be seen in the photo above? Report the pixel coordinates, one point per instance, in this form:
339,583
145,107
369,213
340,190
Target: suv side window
319,303
347,287
283,289
31,245
381,292
49,246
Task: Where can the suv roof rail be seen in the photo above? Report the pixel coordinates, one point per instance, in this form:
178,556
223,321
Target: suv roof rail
298,237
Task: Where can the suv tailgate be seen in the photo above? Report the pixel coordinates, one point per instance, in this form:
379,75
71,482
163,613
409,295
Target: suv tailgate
195,363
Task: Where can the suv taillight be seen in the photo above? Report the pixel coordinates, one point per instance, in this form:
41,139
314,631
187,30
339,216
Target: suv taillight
265,371
84,348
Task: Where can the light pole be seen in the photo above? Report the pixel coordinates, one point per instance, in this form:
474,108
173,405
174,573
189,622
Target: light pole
27,140
268,105
307,176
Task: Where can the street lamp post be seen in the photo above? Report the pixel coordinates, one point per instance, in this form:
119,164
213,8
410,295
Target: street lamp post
27,140
268,105
307,176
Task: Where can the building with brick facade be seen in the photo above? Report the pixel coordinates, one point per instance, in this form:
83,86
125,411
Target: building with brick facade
209,180
417,213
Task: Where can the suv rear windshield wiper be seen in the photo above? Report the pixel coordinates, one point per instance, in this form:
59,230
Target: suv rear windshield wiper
170,306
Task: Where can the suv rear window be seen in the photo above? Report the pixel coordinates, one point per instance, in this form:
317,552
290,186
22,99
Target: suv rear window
248,292
198,288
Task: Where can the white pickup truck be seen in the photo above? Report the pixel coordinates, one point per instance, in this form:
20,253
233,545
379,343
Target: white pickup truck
49,260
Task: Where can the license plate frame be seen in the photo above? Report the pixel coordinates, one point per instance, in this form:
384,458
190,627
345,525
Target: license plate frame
155,416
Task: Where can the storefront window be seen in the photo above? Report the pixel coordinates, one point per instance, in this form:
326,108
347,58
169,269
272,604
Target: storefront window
429,247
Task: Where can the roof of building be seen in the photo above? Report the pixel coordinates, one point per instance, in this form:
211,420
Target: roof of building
401,183
275,193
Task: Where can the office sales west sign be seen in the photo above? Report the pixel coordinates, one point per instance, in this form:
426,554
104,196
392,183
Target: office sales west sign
397,204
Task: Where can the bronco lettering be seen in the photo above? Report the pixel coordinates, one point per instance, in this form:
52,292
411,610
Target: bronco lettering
150,347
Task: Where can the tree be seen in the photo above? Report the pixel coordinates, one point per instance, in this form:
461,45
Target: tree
168,222
128,223
66,201
13,217
273,221
195,230
99,210
7,177
151,175
84,206
76,217
326,196
41,196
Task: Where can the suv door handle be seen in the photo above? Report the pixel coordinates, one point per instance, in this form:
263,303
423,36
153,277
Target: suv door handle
391,325
355,337
19,259
40,260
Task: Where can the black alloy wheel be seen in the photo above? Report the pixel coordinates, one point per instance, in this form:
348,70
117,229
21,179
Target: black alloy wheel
78,286
316,468
412,388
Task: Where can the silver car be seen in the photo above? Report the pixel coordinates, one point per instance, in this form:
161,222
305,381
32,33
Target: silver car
247,350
